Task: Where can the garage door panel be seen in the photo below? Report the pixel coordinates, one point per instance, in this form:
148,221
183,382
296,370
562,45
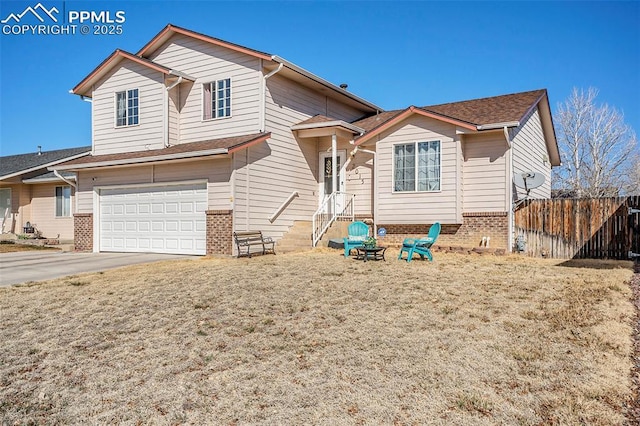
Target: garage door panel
167,219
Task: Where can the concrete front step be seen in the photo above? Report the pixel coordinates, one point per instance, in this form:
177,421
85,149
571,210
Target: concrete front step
299,236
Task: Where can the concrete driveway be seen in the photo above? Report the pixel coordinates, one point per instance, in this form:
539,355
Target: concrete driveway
21,267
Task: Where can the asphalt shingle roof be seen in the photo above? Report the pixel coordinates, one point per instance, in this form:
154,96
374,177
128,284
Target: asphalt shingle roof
229,143
11,164
496,109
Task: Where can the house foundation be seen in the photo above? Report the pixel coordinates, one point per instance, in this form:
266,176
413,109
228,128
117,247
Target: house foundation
470,233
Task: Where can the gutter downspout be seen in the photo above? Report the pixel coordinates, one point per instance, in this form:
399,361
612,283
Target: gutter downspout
166,106
75,186
263,95
510,211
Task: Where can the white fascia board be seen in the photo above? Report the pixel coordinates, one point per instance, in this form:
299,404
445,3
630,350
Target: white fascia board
47,166
336,123
494,126
127,161
324,82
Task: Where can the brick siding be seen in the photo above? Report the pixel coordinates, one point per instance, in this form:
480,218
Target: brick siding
83,231
468,234
219,231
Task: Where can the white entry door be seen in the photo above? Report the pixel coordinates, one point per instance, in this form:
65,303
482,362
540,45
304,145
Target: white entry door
325,178
154,219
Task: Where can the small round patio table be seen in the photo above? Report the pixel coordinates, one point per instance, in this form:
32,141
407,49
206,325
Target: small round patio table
370,253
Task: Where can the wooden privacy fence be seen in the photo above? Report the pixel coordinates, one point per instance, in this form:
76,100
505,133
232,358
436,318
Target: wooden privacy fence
600,228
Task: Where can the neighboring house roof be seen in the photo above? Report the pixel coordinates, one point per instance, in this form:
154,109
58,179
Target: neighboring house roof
15,165
84,87
175,152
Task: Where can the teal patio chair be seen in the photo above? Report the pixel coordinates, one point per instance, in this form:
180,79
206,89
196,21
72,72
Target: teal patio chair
357,233
421,246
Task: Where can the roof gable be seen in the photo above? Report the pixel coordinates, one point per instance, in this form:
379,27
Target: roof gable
167,32
475,115
14,165
84,87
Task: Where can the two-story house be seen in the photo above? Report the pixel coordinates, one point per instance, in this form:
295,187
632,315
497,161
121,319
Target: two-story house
194,137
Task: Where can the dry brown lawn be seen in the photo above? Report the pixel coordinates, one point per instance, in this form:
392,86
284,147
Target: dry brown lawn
317,339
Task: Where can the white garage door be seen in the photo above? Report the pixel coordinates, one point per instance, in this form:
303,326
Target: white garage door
158,219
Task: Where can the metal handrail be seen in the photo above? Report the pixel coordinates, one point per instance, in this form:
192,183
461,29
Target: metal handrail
283,206
327,213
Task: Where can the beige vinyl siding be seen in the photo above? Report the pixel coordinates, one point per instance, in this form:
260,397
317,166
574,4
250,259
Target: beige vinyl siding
529,153
43,212
485,177
283,164
149,133
360,183
418,207
216,172
206,63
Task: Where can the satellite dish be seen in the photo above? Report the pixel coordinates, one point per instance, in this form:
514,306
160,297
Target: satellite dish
528,180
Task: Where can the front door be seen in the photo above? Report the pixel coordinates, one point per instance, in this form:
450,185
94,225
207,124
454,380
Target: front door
325,178
5,207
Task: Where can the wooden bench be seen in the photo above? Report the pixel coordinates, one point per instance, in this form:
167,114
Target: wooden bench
247,239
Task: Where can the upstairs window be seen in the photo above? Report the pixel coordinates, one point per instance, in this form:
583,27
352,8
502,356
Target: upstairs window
127,108
63,201
217,99
416,167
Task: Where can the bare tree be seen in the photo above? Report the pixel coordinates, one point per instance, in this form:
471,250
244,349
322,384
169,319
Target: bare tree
596,147
633,175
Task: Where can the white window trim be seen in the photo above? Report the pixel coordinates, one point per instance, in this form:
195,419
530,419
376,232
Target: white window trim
55,201
204,120
393,168
115,109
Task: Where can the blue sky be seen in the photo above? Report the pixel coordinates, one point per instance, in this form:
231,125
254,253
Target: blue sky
394,54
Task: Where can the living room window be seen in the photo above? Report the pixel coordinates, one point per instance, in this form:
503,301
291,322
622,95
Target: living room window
127,108
416,167
217,99
63,201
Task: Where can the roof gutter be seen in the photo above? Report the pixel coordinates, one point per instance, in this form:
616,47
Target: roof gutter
324,82
496,126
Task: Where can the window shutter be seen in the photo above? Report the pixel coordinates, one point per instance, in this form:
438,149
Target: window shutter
207,107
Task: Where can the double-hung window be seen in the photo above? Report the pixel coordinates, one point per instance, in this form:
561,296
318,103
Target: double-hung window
217,99
63,201
416,166
127,108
